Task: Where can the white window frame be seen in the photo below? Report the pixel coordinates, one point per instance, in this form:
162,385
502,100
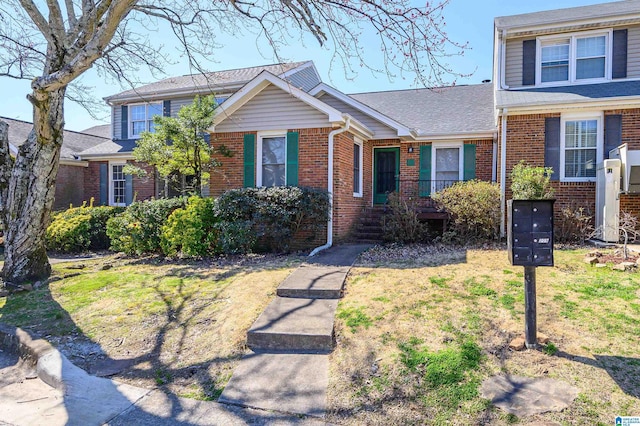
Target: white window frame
358,141
608,62
599,116
111,187
451,144
269,134
147,119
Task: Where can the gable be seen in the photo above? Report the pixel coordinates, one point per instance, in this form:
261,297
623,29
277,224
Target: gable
273,109
380,130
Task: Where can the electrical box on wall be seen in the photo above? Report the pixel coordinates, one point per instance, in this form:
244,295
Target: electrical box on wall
530,232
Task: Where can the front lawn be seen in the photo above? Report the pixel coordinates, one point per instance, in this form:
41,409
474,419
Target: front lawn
172,324
420,328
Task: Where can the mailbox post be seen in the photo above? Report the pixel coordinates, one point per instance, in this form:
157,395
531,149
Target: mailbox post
530,244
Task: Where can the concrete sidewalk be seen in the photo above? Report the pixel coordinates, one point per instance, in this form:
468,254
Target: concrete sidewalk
288,369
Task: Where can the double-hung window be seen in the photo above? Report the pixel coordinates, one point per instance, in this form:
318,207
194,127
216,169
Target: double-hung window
141,118
581,147
117,185
447,165
581,57
273,153
357,167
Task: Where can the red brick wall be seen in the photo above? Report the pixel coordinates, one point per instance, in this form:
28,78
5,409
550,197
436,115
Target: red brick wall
69,187
630,203
144,188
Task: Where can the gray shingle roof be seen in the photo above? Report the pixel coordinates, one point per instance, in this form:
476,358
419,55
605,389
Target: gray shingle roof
567,94
110,147
213,81
73,142
597,11
449,110
102,130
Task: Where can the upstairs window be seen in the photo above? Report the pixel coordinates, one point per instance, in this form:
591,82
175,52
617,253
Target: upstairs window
141,118
573,59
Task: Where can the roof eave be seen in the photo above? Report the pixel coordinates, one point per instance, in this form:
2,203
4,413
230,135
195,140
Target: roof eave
616,102
512,30
483,134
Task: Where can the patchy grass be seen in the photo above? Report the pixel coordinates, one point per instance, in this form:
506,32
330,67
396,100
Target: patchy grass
442,322
178,325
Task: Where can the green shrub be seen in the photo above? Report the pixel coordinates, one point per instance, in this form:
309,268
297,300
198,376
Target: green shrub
138,229
235,237
274,215
402,224
78,229
191,231
531,183
474,207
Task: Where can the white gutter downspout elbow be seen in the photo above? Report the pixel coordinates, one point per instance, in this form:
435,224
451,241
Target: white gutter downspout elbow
503,170
332,133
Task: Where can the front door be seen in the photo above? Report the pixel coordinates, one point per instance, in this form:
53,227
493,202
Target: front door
386,167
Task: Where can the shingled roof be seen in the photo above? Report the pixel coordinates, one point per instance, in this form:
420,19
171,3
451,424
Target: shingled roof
73,142
211,82
567,94
549,17
447,110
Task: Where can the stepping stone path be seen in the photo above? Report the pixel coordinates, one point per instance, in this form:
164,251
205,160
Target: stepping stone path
526,396
288,369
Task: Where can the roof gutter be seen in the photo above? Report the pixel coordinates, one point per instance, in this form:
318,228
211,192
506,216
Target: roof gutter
332,134
503,171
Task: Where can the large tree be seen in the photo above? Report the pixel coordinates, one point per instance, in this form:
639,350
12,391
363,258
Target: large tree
52,43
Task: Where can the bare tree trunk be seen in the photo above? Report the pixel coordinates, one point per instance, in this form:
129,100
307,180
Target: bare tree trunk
31,190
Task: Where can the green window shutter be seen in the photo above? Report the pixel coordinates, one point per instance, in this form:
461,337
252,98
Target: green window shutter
292,158
104,184
425,171
469,161
249,160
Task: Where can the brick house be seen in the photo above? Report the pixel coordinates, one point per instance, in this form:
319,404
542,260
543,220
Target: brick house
567,93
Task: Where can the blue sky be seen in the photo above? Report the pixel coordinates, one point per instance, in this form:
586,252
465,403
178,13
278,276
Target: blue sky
467,21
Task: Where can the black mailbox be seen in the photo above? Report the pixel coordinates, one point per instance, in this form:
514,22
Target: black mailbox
530,232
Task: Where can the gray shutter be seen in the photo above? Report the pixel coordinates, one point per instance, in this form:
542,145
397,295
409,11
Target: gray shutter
104,184
552,146
124,122
619,66
128,189
166,108
612,133
528,62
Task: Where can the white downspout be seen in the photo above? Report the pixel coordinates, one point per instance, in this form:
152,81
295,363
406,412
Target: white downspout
503,170
332,133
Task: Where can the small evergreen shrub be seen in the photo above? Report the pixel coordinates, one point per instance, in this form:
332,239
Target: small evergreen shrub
191,230
275,214
474,207
78,229
403,225
138,229
531,183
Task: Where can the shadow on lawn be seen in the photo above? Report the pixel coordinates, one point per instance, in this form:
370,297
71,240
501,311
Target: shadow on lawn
57,326
624,371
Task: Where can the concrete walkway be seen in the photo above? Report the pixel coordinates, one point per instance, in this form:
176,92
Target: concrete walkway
288,368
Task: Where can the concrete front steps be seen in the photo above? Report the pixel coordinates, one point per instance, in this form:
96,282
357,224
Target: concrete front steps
288,368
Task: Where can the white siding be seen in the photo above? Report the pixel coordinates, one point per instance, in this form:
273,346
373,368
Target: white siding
176,104
273,109
117,121
513,63
380,131
633,52
305,79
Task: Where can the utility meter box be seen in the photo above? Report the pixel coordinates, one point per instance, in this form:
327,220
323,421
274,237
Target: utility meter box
530,232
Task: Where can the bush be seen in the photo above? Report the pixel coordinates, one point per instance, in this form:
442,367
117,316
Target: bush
138,229
474,207
78,229
531,183
403,225
191,231
274,215
575,224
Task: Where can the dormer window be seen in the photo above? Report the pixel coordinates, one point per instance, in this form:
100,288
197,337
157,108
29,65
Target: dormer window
576,58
